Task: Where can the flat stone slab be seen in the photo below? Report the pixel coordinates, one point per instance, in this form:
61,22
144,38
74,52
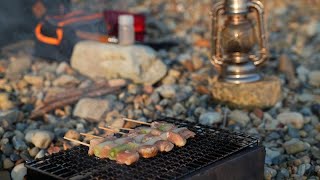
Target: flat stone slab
261,94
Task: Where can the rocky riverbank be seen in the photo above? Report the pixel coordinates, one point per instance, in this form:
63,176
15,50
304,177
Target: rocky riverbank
290,130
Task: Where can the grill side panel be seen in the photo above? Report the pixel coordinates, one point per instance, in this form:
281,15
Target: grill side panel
245,165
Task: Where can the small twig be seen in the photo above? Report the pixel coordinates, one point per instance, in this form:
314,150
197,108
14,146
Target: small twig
68,98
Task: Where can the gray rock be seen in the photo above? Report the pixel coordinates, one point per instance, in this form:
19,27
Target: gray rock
18,172
178,108
92,109
167,91
210,118
293,132
7,163
135,62
19,144
14,157
302,73
293,118
40,138
11,116
1,131
269,173
301,169
5,175
17,66
271,155
314,78
240,117
315,152
295,146
7,149
285,172
40,154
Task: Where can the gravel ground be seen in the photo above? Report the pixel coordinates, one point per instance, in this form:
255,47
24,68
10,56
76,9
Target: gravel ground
290,131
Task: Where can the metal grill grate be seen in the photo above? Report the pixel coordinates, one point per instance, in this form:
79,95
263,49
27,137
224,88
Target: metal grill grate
209,146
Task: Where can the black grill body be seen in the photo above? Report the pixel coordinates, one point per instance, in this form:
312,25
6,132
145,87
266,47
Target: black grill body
212,154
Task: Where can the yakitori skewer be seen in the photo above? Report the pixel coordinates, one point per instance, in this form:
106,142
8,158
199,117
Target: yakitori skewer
135,121
127,129
90,135
110,130
76,141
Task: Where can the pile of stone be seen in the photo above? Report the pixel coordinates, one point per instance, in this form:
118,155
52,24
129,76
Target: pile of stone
176,82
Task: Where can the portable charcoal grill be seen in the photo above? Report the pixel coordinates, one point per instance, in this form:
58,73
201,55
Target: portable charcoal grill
212,154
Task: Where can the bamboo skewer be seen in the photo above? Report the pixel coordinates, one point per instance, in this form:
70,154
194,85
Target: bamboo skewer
90,135
110,130
139,122
76,141
127,129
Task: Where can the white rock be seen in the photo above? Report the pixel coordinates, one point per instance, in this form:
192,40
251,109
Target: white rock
92,109
239,116
210,118
18,172
167,91
314,78
40,138
293,118
135,62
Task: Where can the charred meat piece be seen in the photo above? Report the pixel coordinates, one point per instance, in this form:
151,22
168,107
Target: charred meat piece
164,146
127,157
148,151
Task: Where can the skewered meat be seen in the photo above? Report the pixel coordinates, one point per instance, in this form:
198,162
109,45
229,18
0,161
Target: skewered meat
175,138
102,150
120,148
93,143
162,126
148,151
184,132
127,157
164,146
142,141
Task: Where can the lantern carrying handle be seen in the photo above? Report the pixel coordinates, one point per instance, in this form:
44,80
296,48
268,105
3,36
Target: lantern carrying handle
216,59
258,7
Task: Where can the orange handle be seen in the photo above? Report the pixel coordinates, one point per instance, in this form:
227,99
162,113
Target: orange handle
47,39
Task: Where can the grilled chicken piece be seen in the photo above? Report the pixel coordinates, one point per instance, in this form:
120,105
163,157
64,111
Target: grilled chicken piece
148,151
127,157
164,146
103,149
174,138
121,148
184,132
162,126
123,140
93,143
